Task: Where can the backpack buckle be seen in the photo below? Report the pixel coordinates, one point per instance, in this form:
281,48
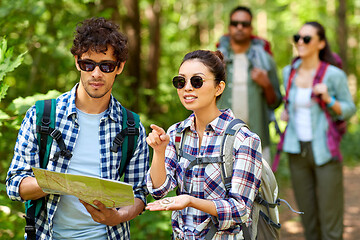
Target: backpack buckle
43,129
56,134
130,123
131,130
65,153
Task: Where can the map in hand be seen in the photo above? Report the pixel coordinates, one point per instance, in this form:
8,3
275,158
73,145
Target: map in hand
111,193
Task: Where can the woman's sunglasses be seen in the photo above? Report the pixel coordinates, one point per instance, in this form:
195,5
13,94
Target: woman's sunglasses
179,82
306,39
105,66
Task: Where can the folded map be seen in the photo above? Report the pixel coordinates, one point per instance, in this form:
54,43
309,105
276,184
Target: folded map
111,193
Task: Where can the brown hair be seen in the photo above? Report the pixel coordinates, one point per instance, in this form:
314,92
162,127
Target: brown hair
97,34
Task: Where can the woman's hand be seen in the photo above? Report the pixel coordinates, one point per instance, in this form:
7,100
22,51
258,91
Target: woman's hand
284,115
322,90
157,139
170,203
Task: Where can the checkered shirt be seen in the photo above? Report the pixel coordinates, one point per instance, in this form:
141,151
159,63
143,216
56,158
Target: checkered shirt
205,182
26,155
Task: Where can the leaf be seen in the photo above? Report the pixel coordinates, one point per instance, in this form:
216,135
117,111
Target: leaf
3,89
21,105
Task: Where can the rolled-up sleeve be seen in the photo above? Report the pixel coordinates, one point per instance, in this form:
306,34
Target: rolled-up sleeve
342,94
25,155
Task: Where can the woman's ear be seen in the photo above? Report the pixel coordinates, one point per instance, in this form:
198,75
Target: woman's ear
220,88
322,45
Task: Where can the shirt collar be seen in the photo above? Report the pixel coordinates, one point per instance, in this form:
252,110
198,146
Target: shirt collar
112,111
217,125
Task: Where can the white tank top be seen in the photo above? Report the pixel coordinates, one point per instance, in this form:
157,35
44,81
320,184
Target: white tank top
303,114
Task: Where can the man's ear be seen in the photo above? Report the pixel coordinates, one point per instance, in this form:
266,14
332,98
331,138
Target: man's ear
76,63
120,67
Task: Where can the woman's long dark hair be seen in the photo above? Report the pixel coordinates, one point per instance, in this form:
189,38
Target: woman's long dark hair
325,54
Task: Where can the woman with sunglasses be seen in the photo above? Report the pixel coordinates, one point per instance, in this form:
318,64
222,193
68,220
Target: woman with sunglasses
200,204
314,86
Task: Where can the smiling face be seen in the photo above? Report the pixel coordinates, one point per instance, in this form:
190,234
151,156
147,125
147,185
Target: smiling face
313,47
203,98
97,84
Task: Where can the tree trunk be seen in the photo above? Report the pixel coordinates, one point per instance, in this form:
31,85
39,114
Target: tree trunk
153,15
114,5
342,33
131,26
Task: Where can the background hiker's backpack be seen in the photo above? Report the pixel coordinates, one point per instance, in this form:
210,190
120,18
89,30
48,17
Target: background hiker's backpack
265,213
46,132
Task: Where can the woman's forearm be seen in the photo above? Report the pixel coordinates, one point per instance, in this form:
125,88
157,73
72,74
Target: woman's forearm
157,170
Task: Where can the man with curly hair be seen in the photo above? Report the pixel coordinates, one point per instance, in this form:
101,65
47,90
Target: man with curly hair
89,118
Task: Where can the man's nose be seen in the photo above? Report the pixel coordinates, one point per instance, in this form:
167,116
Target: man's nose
96,73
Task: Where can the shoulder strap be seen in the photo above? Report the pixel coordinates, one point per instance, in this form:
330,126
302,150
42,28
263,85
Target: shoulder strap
127,138
320,73
45,119
226,150
179,140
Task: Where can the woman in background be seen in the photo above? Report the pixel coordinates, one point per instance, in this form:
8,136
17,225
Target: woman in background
315,173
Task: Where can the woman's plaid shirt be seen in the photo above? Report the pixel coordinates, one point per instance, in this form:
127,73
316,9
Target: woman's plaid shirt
205,181
26,155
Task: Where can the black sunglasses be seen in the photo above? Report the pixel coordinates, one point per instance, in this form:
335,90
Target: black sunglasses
306,39
244,24
179,82
88,65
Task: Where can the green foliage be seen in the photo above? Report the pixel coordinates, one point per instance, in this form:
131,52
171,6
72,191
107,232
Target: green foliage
7,64
44,29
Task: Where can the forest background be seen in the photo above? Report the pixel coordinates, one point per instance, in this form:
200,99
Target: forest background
36,63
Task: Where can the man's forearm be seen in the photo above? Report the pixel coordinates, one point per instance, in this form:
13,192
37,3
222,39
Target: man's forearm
130,212
29,189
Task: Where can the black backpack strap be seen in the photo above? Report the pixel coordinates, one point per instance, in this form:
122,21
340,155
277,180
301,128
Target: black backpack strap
127,138
45,119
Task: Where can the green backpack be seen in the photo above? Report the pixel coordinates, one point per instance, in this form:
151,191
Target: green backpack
46,132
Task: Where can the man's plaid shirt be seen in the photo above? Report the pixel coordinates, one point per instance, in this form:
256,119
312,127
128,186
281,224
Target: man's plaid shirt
204,181
26,155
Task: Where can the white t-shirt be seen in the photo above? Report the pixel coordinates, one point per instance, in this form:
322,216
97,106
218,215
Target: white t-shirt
303,114
240,106
71,219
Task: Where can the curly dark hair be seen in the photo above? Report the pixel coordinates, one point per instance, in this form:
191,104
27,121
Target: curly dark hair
97,34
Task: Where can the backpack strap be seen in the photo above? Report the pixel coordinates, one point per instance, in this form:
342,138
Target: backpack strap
226,150
45,120
126,138
45,127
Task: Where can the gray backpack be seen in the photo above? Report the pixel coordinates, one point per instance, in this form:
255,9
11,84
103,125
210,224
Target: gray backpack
265,214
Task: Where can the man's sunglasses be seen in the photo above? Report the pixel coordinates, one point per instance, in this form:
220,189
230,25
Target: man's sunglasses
244,24
179,82
306,39
105,66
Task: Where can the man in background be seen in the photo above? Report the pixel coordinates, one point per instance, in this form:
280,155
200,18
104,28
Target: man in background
252,90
